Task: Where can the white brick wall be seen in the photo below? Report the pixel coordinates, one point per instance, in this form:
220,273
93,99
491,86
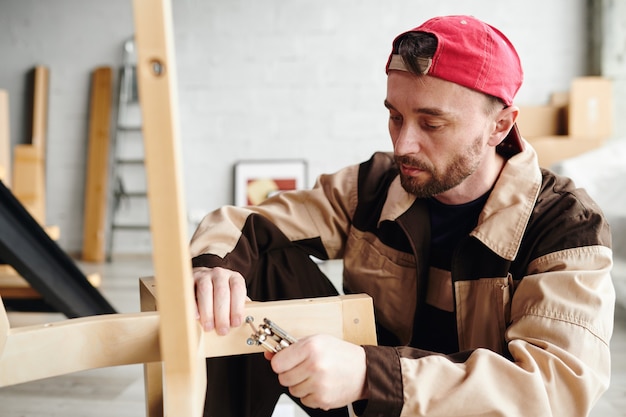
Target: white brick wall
257,79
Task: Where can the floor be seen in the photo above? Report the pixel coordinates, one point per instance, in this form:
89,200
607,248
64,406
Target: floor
119,391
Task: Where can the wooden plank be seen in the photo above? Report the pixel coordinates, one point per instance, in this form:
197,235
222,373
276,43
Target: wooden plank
42,351
305,317
59,348
14,286
94,237
349,317
40,107
4,328
29,166
5,140
181,335
29,180
152,372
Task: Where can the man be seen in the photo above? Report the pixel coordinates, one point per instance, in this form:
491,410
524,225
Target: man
490,276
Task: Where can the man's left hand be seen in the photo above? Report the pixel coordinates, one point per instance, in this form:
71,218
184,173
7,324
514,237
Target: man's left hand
323,371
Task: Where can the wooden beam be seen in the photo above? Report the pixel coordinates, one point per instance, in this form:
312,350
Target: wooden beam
40,107
5,140
94,233
42,351
348,317
29,180
181,335
29,160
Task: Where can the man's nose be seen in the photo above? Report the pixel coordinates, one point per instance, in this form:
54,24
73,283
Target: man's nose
408,140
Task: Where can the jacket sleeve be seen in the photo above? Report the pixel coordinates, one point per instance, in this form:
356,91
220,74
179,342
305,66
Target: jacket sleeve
316,219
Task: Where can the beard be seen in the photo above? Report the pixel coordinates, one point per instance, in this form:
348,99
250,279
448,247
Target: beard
462,165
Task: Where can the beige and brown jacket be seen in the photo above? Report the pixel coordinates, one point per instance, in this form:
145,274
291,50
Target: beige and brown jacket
531,286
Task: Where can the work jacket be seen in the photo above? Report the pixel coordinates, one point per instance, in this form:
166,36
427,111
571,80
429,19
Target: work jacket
531,287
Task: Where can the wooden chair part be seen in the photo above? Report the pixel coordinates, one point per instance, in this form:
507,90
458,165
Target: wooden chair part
180,333
349,317
41,351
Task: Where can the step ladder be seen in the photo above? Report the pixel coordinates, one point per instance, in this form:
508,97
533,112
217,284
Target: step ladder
129,219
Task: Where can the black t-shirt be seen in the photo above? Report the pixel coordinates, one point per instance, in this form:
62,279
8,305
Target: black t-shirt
435,325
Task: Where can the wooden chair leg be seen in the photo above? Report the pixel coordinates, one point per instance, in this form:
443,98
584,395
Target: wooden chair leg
152,372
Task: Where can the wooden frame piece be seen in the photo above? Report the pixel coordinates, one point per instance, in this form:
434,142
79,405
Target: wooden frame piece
349,317
180,332
42,351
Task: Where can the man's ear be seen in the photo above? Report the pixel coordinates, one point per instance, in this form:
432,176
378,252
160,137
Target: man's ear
505,119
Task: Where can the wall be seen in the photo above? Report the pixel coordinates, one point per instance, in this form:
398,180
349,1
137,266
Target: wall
613,55
257,79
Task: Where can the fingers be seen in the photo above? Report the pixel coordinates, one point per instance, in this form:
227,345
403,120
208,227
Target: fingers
221,295
204,298
323,371
238,298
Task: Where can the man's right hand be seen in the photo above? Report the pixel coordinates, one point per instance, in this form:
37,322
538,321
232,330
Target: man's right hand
220,298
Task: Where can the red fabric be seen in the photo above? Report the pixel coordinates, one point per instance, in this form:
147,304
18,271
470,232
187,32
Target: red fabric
473,54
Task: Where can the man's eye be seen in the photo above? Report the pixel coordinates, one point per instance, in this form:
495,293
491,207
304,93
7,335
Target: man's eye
432,126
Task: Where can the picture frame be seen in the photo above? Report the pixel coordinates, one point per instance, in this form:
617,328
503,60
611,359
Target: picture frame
257,180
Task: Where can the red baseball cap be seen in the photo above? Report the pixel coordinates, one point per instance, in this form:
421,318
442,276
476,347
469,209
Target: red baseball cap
473,54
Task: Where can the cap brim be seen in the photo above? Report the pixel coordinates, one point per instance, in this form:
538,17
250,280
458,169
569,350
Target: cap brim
512,143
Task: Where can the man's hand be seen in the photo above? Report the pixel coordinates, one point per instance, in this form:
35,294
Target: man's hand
323,371
221,295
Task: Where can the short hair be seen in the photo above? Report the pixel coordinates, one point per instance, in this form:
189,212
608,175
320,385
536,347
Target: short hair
416,46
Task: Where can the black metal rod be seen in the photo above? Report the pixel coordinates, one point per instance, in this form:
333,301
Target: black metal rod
48,269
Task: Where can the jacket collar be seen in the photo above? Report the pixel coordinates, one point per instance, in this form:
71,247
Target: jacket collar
504,218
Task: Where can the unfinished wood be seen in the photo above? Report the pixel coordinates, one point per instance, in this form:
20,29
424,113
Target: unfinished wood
152,372
94,237
40,107
4,328
29,180
181,335
14,286
29,166
42,351
5,141
349,317
300,318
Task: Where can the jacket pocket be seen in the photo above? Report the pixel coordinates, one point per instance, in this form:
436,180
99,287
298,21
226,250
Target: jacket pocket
483,311
385,274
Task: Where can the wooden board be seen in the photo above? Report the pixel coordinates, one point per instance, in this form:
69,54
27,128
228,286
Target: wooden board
5,140
94,227
42,351
180,332
29,180
40,107
29,165
348,317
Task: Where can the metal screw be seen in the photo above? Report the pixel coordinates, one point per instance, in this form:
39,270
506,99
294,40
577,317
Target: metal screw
157,67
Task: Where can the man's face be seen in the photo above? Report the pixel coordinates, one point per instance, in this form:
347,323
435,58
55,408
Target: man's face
439,132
